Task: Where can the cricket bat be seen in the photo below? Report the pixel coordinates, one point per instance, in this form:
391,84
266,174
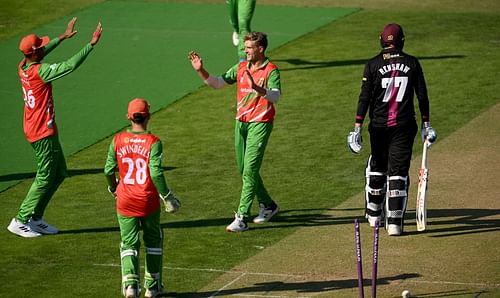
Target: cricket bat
423,180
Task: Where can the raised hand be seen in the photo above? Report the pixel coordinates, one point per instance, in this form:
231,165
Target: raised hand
196,60
96,35
70,32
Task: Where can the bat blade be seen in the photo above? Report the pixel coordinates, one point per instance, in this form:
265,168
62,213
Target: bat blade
421,208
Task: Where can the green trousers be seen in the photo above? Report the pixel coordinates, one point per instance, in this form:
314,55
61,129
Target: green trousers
240,18
130,245
250,143
51,172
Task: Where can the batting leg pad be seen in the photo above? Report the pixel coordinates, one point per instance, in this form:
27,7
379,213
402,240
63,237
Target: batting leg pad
375,190
153,268
130,267
397,199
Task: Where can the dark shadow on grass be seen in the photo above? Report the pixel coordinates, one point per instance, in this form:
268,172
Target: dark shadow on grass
461,293
304,64
462,222
284,219
90,230
275,287
441,222
71,173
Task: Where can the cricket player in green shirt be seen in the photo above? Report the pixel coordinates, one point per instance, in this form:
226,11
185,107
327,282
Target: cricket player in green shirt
258,90
240,18
40,126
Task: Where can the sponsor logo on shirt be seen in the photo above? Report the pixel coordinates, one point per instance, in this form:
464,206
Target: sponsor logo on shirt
134,140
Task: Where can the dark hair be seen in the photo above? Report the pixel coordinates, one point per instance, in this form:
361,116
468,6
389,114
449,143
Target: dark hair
139,118
260,38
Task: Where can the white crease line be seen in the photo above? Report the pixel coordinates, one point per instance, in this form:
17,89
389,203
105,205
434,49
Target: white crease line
215,270
490,285
227,285
455,283
268,296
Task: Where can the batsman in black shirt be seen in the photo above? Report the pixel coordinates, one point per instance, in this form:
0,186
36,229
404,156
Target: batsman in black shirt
390,81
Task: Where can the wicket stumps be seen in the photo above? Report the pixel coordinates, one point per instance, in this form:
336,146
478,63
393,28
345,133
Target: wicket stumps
375,260
359,259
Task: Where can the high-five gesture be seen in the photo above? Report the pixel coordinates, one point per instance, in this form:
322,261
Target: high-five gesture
97,34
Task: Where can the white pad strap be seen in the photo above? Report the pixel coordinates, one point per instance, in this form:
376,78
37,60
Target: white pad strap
130,277
397,193
374,191
128,252
373,206
154,251
369,173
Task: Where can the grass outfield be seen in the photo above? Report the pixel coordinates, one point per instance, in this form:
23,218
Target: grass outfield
307,169
128,62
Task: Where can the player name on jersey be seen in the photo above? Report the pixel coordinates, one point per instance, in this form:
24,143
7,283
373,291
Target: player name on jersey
133,148
395,66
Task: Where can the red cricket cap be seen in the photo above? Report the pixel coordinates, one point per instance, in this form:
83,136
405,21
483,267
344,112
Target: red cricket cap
138,106
392,33
31,42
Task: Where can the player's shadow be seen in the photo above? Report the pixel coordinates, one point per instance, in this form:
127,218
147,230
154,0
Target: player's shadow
301,64
285,219
275,287
441,222
455,222
71,173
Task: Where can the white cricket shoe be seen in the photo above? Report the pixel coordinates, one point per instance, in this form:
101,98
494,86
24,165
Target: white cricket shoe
131,292
373,219
151,293
21,229
236,39
393,230
239,224
42,227
265,214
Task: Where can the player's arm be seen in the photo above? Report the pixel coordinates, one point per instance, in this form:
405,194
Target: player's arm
53,43
51,72
421,92
68,33
355,137
197,64
156,170
273,92
365,96
172,204
110,168
426,130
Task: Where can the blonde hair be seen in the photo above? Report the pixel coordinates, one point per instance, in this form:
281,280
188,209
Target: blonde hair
260,38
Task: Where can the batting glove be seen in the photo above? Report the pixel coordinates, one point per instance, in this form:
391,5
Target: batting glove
428,133
172,204
112,192
355,140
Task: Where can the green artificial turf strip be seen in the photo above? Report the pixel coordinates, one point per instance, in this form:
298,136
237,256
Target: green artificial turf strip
307,167
142,53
